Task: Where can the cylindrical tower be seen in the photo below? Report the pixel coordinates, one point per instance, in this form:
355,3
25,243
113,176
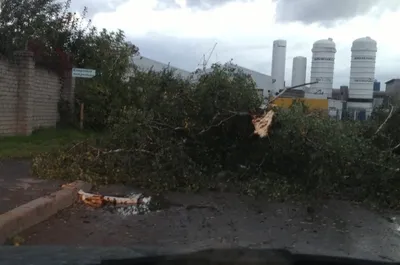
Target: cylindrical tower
278,65
322,69
362,75
362,69
299,69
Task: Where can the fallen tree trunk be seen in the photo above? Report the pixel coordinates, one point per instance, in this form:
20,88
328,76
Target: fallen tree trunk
97,200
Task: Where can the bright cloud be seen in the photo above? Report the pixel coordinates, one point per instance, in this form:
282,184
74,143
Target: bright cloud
244,32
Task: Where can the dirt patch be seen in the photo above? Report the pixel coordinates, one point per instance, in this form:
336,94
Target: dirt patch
18,187
337,228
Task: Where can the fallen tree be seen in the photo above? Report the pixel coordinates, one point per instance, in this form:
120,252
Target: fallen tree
176,135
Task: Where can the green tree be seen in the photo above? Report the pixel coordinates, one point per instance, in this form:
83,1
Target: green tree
60,40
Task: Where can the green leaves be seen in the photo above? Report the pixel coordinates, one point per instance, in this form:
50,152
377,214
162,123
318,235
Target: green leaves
166,133
61,40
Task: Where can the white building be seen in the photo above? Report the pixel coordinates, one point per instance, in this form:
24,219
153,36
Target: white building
263,81
362,75
299,70
322,69
278,65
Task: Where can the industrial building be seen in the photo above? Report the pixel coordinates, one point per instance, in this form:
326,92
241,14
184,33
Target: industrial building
299,72
263,81
322,69
356,100
359,98
146,64
278,66
377,85
393,88
362,75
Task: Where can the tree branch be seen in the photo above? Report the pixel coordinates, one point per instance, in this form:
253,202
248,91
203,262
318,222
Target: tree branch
218,124
289,88
395,147
387,118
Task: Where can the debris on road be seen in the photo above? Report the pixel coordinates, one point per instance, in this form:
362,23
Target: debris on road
98,200
131,205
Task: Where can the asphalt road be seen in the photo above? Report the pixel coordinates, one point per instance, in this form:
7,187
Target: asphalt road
18,187
224,220
228,220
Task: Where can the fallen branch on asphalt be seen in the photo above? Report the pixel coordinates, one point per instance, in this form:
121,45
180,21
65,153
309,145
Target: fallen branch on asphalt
161,141
97,200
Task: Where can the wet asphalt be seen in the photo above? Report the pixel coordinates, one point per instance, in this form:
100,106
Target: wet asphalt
229,220
207,220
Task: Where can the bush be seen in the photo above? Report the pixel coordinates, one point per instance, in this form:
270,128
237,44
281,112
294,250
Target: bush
171,134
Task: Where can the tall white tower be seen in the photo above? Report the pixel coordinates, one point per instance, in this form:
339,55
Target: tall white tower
322,69
362,75
299,69
278,65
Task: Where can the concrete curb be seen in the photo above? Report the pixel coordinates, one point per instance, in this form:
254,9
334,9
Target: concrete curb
37,211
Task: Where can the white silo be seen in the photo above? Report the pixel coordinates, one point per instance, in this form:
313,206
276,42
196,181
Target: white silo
278,65
362,75
299,69
322,69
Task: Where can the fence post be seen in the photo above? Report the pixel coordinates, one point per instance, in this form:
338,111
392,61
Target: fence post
68,88
26,79
68,84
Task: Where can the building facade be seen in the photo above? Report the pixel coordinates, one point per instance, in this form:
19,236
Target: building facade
146,64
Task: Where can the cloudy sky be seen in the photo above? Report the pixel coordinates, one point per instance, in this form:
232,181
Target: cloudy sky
181,31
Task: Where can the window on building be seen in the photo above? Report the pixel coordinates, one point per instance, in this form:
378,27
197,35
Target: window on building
260,92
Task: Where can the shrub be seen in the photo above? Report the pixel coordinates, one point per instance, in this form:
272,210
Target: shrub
177,135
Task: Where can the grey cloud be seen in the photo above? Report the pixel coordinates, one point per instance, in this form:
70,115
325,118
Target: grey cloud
96,6
198,4
167,4
188,53
182,53
209,4
327,12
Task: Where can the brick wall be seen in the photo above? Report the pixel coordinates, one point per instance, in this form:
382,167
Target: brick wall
29,95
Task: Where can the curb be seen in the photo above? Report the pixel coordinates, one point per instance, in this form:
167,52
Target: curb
38,210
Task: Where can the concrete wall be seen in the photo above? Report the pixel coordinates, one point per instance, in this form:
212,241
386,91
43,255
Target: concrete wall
29,95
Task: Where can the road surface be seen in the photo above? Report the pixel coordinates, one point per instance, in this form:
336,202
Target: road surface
226,220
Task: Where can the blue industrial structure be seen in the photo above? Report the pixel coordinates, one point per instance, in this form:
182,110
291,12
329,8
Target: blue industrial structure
377,86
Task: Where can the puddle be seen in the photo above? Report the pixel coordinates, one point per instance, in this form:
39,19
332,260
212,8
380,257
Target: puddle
31,180
145,204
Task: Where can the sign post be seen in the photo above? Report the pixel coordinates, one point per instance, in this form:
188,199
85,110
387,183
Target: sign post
83,72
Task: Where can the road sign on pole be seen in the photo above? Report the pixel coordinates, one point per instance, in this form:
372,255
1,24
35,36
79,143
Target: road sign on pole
83,72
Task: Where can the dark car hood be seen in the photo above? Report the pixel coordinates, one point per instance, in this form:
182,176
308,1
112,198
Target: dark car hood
69,255
43,255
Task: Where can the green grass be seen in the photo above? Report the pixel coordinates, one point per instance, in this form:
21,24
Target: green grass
42,140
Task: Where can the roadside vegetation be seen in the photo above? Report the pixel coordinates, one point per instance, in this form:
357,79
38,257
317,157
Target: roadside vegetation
41,141
163,133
